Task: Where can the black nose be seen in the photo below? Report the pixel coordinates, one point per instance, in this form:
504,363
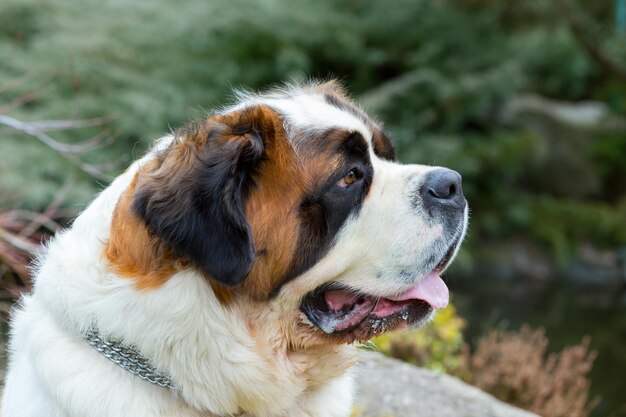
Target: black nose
442,187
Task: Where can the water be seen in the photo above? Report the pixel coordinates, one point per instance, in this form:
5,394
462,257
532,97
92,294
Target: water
568,312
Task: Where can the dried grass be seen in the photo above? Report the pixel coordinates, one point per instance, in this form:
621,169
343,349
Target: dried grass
513,366
20,239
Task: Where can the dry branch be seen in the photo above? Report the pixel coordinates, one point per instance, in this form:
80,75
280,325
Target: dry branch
21,231
47,125
45,218
67,151
18,242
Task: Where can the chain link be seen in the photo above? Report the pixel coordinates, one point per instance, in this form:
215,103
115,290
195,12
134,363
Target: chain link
129,359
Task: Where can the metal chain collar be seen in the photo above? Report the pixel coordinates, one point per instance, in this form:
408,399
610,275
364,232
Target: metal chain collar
129,359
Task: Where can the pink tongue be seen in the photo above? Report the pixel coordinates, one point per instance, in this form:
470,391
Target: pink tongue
430,289
337,299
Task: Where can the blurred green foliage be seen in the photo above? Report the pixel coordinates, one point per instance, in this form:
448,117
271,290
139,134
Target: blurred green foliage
439,73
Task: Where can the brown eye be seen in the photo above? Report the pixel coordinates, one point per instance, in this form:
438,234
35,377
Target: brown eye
348,179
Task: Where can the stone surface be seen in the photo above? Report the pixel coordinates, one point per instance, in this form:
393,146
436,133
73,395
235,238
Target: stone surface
391,388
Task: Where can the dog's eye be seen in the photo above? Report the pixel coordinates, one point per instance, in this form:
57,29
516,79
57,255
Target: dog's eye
350,178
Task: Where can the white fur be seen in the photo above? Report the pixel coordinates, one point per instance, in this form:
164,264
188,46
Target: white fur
304,110
226,360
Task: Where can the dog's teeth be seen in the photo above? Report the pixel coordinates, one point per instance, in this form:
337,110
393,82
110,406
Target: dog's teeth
405,315
384,326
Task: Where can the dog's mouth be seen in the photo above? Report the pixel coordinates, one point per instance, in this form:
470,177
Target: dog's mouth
339,310
350,314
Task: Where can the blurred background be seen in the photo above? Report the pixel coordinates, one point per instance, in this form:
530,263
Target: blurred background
526,98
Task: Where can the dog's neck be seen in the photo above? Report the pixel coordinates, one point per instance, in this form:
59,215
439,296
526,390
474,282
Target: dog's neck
212,353
312,368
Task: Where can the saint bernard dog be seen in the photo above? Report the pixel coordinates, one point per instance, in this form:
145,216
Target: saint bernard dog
234,268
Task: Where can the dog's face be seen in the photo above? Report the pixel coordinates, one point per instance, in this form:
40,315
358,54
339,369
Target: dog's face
292,200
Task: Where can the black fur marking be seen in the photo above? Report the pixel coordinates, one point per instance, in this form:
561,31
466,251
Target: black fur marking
326,209
200,214
382,145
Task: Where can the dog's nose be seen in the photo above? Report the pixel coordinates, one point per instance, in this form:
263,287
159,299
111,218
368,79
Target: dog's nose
442,187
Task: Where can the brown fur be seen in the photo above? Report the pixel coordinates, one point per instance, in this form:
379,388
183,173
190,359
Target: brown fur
382,145
132,252
271,207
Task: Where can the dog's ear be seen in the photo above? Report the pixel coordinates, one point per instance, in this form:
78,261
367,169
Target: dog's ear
194,199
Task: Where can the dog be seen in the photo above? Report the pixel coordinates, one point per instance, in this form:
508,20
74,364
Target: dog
233,269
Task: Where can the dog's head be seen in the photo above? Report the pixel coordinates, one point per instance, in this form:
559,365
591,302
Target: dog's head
293,199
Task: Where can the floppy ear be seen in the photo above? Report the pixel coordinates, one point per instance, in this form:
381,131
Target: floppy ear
194,199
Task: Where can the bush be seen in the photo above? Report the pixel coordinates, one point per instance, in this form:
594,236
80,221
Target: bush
513,366
439,93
